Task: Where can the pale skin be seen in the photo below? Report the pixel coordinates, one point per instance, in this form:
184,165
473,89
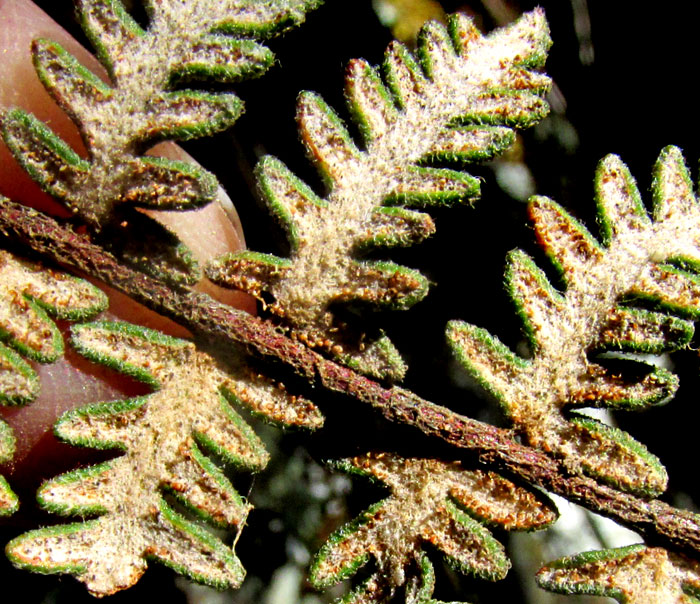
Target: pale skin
209,232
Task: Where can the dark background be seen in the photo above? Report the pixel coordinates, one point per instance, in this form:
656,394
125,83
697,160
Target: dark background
632,96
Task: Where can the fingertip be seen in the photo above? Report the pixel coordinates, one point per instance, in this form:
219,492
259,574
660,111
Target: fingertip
23,21
208,232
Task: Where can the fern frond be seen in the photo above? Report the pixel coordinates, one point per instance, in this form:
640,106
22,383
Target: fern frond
29,294
596,313
19,384
8,500
459,104
120,120
163,436
631,575
433,504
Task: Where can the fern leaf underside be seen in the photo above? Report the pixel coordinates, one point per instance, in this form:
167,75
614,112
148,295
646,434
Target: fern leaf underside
433,504
458,104
164,437
142,104
631,575
8,500
434,110
30,294
637,261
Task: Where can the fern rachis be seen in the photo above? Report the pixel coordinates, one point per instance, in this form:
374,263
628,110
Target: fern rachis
617,326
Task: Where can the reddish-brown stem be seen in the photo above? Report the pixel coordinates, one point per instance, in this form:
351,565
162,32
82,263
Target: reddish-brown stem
494,447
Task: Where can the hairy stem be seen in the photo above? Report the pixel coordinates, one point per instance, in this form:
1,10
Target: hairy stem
494,447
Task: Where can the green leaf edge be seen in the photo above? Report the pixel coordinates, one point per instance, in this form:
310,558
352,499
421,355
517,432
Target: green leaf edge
95,35
253,440
75,476
490,523
582,559
682,330
7,449
279,210
257,257
514,258
500,143
200,534
493,343
396,365
404,303
106,408
127,329
207,181
38,130
443,39
471,190
226,73
9,494
26,371
684,311
345,532
491,546
594,556
312,99
356,112
394,239
272,28
50,531
572,223
230,109
77,314
7,442
179,522
215,472
625,440
669,154
427,574
231,395
669,385
390,76
613,162
520,120
71,64
56,339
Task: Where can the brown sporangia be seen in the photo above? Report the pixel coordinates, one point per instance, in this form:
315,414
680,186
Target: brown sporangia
631,575
164,438
596,312
143,101
8,500
458,101
434,505
29,293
